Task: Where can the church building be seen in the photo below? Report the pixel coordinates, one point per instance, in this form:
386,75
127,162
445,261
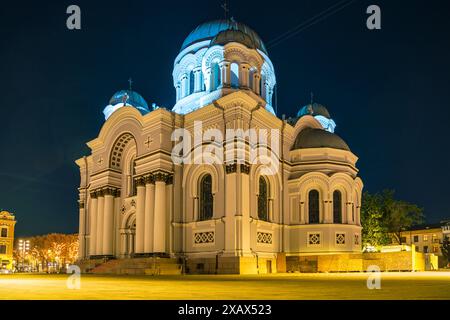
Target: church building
230,215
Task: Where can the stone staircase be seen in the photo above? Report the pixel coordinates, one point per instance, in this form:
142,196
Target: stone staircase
140,266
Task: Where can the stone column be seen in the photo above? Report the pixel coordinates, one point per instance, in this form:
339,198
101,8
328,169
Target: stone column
347,217
225,74
184,86
140,215
198,86
266,92
196,213
123,242
116,224
149,213
328,217
257,83
178,90
208,80
302,212
244,75
108,220
231,209
159,242
93,227
244,209
100,214
82,231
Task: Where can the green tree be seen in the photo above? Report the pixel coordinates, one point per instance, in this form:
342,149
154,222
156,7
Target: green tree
445,248
399,215
374,232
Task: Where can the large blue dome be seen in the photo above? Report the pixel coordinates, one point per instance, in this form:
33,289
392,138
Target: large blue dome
209,31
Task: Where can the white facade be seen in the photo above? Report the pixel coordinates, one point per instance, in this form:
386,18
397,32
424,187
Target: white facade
135,201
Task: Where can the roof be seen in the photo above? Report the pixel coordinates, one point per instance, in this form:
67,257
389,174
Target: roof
209,30
319,138
428,226
6,215
314,109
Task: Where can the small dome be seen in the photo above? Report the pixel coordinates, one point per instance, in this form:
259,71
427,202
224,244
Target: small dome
319,138
134,99
211,29
126,97
227,36
314,109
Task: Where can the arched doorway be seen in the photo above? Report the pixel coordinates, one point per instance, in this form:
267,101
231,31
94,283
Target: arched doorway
128,236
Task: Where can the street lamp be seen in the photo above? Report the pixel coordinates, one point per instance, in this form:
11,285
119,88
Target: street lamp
24,248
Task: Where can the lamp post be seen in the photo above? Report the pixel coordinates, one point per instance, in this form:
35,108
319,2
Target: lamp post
24,248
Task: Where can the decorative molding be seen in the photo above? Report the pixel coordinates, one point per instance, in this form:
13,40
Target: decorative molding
81,204
140,181
231,168
264,238
356,239
340,238
245,168
161,176
314,239
105,191
204,237
157,176
149,179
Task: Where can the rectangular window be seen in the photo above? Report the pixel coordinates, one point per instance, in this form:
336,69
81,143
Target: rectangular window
2,249
416,238
425,249
435,249
403,239
425,238
4,233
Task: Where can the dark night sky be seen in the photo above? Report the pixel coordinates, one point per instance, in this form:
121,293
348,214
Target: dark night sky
388,90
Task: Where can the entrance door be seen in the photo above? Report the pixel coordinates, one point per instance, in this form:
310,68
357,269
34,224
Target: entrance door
269,266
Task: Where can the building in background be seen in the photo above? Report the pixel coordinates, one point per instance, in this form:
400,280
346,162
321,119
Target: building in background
427,237
7,224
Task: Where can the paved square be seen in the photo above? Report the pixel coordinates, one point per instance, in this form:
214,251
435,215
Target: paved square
431,285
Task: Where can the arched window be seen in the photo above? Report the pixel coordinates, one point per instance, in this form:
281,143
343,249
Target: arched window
313,206
263,201
234,75
191,82
206,198
215,76
337,207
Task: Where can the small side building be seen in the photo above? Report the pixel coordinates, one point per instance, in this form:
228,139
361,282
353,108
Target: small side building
427,238
7,224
